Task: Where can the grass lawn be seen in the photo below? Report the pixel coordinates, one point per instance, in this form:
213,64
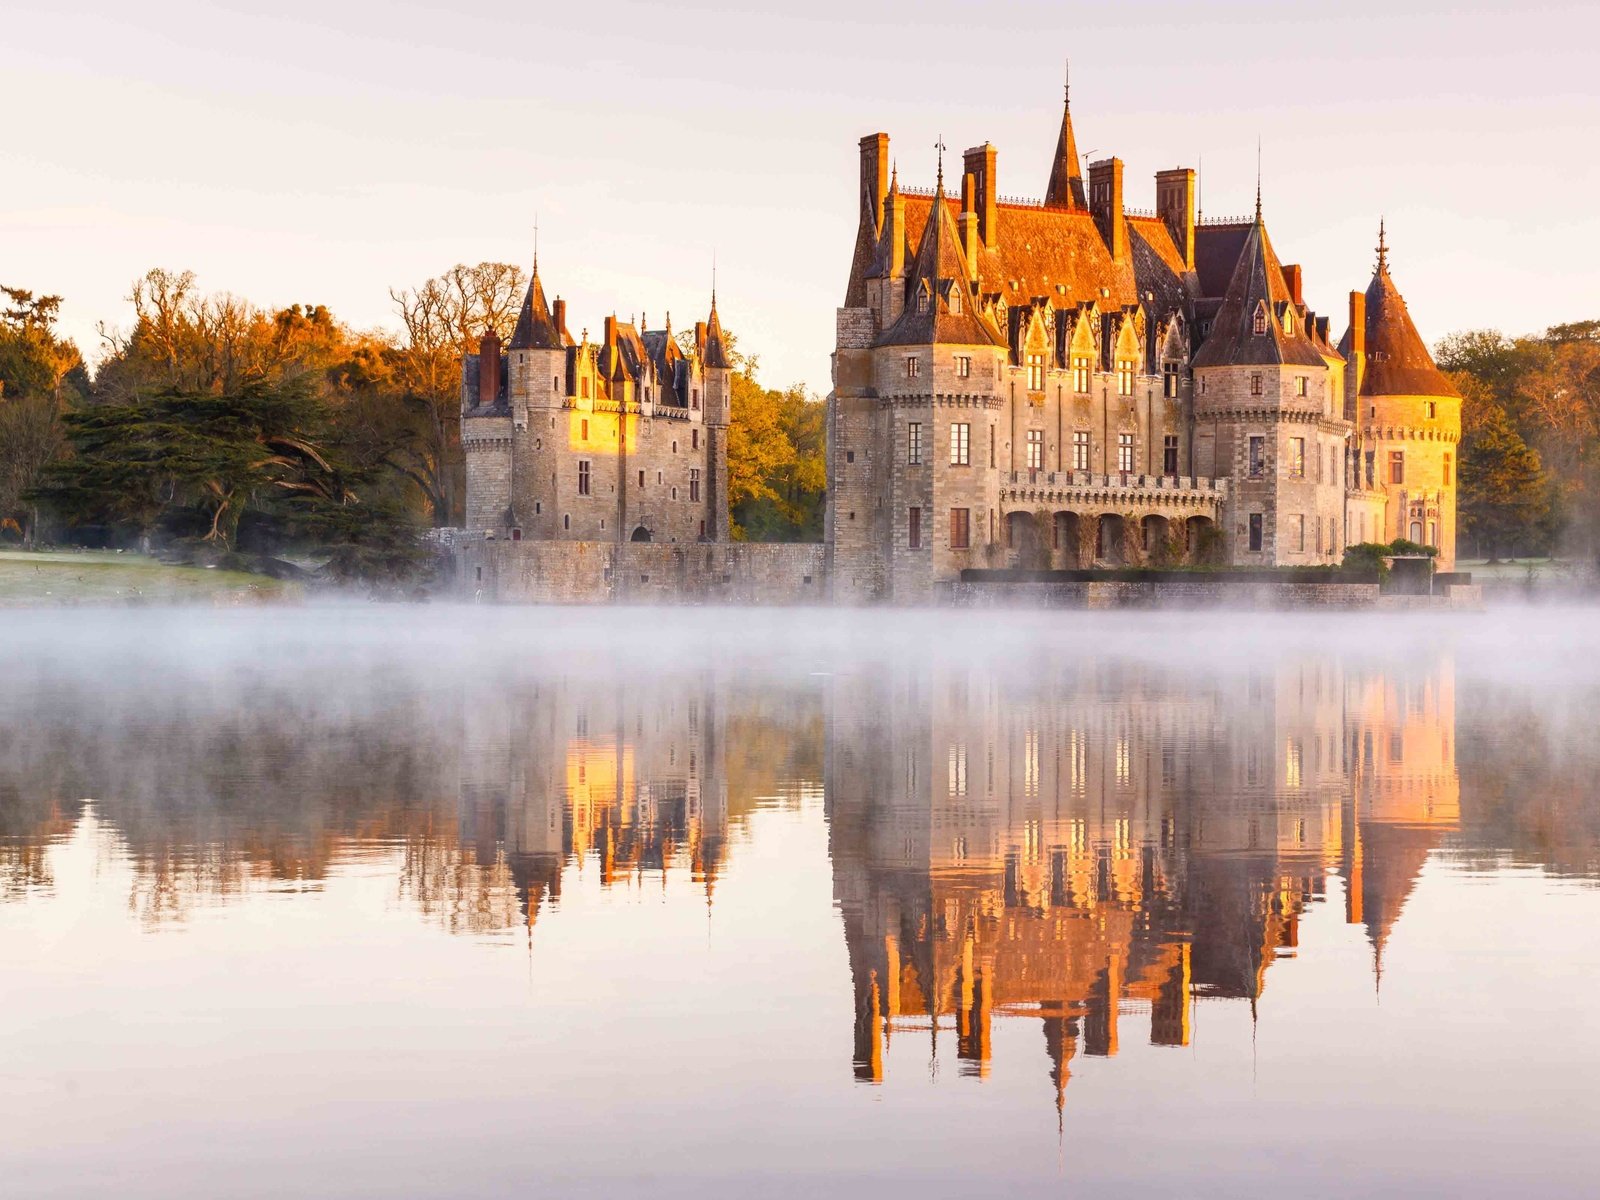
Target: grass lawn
1522,570
94,577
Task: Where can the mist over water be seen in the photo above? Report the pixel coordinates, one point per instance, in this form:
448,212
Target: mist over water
369,900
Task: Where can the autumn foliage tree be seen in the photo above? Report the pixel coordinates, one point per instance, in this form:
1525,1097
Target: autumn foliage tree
41,375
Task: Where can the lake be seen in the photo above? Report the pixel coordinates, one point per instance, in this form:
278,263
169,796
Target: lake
439,901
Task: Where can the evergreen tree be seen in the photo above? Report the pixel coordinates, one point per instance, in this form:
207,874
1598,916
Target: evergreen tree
1505,498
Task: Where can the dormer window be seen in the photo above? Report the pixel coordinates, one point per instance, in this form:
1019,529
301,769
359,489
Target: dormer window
955,301
923,302
1288,322
1261,322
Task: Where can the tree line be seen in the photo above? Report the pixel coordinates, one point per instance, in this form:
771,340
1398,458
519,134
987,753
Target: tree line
214,427
1530,418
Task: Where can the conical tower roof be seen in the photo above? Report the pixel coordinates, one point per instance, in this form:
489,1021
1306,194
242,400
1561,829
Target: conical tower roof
1398,362
940,270
716,352
1065,189
1257,283
536,329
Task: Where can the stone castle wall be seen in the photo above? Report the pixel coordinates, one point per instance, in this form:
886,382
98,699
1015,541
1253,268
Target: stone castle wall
590,572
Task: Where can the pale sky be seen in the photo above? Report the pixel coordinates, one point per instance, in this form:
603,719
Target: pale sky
324,152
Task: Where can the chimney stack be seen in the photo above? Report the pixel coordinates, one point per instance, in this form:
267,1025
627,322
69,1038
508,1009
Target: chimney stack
700,339
980,164
1175,201
560,316
968,224
1105,199
489,369
874,179
1293,277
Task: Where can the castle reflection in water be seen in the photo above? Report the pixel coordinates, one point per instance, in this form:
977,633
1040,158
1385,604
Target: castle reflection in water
1078,847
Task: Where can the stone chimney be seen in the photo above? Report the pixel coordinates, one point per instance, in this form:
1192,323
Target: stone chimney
489,369
700,339
1357,363
980,164
560,316
968,224
1105,201
1175,202
874,178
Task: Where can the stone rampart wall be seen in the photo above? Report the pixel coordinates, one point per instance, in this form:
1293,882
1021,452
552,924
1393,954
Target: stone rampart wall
529,572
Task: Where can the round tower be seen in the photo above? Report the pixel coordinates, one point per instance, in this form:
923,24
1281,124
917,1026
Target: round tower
1407,417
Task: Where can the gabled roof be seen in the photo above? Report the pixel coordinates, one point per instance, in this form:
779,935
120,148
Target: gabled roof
1065,189
1398,362
536,329
1257,284
939,262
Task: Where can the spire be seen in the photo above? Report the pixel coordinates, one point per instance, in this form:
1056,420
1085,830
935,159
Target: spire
1258,181
1383,251
536,329
1065,189
716,350
939,146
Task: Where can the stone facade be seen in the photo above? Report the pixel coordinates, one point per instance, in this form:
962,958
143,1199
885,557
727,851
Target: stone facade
623,439
1070,383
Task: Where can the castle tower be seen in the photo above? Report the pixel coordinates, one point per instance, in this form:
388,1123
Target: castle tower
1407,416
718,370
1263,394
536,387
486,440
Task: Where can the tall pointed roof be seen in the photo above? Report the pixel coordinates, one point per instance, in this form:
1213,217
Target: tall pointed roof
1257,283
536,329
939,306
716,352
1398,362
1065,189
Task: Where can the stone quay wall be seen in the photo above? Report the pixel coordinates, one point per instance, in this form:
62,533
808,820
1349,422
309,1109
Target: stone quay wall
1200,593
560,572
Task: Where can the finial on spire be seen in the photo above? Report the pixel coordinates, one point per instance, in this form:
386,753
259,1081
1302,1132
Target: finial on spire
536,245
894,176
939,146
1258,181
713,279
1067,88
1383,250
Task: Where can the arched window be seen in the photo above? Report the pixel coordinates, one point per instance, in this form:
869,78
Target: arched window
1261,322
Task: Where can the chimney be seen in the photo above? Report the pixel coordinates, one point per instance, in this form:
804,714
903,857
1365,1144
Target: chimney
1358,324
1292,277
894,228
874,178
611,330
489,369
1357,362
1175,201
1105,199
560,315
980,165
968,224
700,339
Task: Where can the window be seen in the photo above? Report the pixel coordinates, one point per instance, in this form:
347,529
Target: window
1301,383
1124,452
963,366
914,528
1447,470
1036,372
555,383
583,387
583,477
694,483
1169,454
1080,375
1258,457
1035,449
566,520
694,439
1261,322
1372,456
849,456
960,445
1297,458
924,301
914,443
1125,377
1255,384
1430,410
1255,531
1397,466
960,528
583,430
1297,532
1169,380
992,440
641,478
696,398
1080,450
912,366
955,301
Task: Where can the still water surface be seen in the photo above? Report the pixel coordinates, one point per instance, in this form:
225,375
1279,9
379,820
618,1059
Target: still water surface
391,902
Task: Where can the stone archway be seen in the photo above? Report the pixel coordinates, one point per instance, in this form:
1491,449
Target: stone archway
1155,533
641,534
1113,541
1202,541
1026,541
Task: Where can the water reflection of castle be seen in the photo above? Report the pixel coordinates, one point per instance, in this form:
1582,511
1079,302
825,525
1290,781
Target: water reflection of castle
1115,839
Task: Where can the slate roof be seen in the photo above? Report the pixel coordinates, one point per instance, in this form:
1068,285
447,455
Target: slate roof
536,329
939,267
1065,189
1257,281
1398,362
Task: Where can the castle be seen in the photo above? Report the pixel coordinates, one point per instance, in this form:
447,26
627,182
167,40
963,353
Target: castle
1070,383
628,443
